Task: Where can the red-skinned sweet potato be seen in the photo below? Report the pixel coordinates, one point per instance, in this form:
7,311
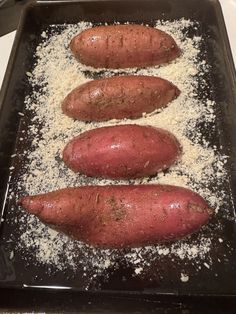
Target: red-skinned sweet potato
122,151
124,46
121,216
118,97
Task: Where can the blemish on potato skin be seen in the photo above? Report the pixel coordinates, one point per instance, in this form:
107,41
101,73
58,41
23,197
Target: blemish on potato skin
165,211
209,210
156,194
167,188
199,209
118,212
97,198
102,220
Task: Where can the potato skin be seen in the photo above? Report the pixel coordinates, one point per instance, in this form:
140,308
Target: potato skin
118,97
123,46
122,151
121,216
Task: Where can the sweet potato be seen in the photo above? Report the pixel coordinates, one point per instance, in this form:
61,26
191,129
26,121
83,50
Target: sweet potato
123,46
122,151
121,216
118,97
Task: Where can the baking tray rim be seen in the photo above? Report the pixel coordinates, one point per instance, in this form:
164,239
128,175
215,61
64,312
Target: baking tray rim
6,81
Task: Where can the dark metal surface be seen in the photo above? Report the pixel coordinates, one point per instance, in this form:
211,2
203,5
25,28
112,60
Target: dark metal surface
222,76
10,11
16,301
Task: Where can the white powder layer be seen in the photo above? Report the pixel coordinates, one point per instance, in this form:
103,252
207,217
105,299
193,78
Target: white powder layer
55,74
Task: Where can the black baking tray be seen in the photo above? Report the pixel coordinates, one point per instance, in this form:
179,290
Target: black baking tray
16,273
